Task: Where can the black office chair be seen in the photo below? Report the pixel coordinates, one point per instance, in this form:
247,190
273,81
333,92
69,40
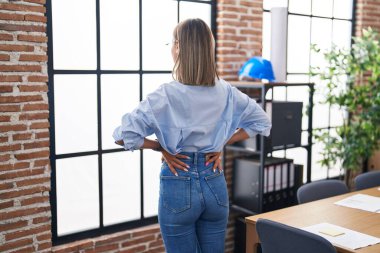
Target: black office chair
279,238
320,190
367,180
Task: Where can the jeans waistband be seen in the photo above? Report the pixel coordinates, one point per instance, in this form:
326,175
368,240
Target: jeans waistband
195,157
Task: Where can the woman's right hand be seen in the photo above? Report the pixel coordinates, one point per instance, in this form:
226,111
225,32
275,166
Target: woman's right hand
174,162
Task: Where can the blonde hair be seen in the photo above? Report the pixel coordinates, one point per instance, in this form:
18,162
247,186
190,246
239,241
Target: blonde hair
195,64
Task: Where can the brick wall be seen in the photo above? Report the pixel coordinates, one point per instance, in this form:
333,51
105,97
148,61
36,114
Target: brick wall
25,218
24,128
367,14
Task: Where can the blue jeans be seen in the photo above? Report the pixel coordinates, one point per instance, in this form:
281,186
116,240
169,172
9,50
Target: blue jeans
193,207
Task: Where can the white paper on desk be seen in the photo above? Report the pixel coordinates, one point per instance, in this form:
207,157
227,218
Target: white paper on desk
350,239
361,201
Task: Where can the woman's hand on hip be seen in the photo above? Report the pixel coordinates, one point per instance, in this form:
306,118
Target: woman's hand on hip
214,157
174,162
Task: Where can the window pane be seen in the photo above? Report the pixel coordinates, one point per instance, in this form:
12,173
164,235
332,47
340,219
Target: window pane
336,169
300,94
266,35
279,93
321,36
300,6
342,33
152,165
195,10
343,9
317,171
120,95
152,81
157,30
320,109
74,34
119,31
269,4
299,155
298,49
322,8
77,194
76,126
121,187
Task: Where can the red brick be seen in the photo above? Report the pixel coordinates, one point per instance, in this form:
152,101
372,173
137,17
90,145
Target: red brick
15,166
18,193
17,127
33,181
22,136
36,107
39,125
33,116
33,57
5,118
43,79
10,78
44,245
42,135
32,38
162,250
6,186
11,147
7,204
36,1
15,244
24,28
16,48
35,200
5,36
35,18
112,238
21,213
5,57
20,68
27,232
22,7
9,108
20,99
19,174
13,225
139,248
40,144
107,248
11,16
6,88
44,237
38,163
138,240
24,250
42,219
32,88
32,155
4,158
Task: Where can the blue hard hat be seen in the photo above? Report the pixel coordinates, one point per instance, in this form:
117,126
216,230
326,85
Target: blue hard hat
257,67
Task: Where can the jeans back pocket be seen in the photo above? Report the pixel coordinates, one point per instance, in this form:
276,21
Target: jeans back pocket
175,193
218,187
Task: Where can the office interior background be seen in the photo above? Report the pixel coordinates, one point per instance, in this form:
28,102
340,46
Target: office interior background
70,69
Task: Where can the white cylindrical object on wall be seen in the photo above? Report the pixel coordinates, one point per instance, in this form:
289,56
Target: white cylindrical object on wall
279,24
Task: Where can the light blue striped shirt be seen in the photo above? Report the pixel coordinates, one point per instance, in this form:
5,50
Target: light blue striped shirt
189,118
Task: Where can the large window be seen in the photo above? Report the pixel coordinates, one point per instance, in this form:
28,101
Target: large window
323,23
104,57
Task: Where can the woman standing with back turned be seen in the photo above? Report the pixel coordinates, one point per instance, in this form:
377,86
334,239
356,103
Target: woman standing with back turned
195,115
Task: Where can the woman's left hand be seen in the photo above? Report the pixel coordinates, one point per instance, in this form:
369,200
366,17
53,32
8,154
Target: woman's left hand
214,157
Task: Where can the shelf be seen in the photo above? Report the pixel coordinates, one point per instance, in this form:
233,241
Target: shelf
242,210
258,85
257,152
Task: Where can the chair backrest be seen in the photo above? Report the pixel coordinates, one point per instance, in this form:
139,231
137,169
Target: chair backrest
367,180
279,238
320,190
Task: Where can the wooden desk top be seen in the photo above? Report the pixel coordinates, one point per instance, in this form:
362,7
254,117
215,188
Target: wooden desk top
325,211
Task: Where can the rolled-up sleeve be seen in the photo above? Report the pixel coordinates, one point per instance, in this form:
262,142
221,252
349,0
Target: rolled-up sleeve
135,126
251,117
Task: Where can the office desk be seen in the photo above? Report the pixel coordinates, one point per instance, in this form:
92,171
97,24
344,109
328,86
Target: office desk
322,211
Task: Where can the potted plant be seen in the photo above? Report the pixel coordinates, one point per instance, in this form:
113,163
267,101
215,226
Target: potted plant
359,135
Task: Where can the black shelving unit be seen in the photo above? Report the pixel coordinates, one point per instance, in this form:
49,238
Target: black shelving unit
262,153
